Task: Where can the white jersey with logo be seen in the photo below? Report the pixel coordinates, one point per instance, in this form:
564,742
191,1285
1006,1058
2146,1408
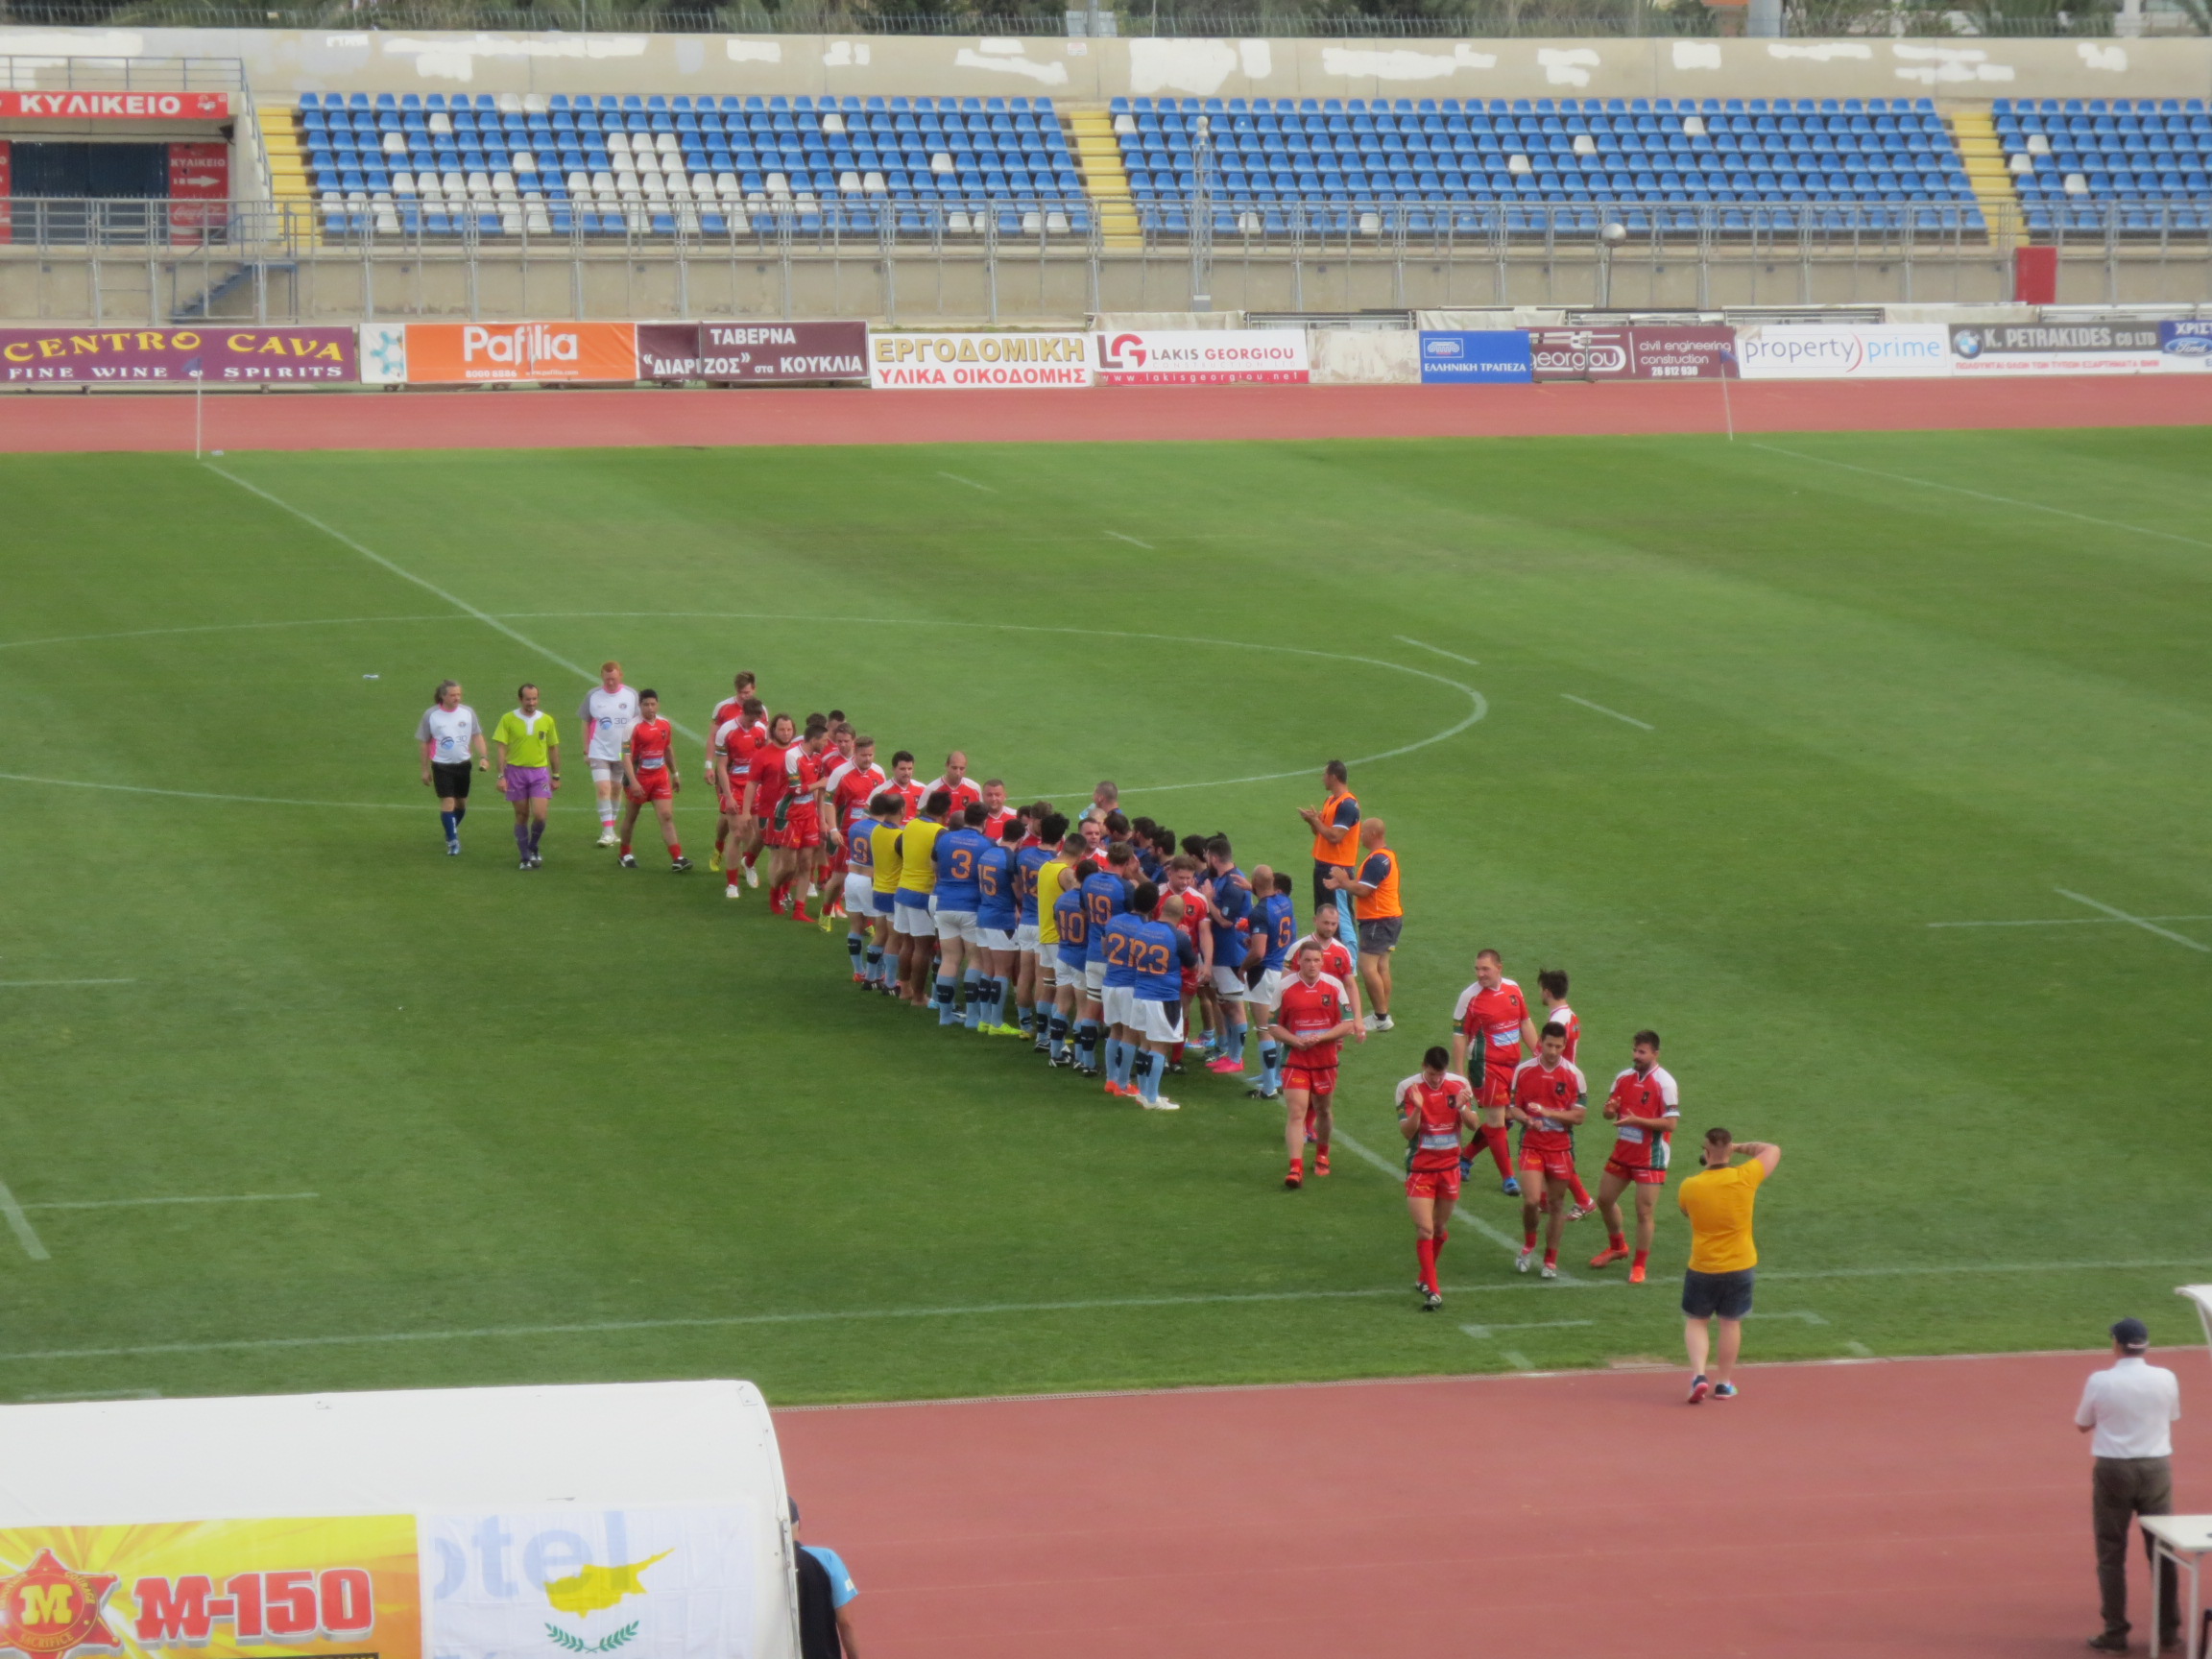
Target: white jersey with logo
608,716
452,730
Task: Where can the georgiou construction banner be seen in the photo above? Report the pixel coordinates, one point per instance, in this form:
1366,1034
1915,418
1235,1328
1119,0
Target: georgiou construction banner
554,1583
488,353
976,361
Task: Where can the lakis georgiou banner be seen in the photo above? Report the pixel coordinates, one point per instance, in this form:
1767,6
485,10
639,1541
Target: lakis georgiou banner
544,1583
213,355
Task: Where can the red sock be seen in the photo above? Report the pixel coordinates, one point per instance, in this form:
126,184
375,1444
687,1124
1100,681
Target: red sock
1581,1192
1175,1055
625,848
1551,1258
1426,1250
675,848
750,857
1641,1256
1528,1238
1618,1242
1495,1139
1442,1238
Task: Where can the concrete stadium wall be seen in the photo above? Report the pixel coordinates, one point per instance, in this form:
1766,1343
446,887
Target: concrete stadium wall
282,61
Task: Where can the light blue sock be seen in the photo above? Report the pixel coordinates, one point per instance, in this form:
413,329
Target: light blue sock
1235,1048
1270,1065
972,985
1087,1044
1128,1064
1148,1069
1026,1015
1113,1059
946,1014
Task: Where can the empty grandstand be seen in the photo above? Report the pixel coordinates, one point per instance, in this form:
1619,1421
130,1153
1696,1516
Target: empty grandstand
2078,160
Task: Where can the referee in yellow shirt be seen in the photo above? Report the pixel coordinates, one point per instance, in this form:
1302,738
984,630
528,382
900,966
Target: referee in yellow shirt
1717,1286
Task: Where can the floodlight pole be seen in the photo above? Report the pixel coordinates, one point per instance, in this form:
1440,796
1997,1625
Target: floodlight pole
1202,221
199,385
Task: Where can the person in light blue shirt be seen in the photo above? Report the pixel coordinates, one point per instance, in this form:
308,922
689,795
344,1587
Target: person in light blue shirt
1275,917
826,1593
1161,949
997,914
958,852
1118,996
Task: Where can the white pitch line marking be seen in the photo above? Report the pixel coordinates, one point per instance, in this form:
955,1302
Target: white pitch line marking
2143,921
1132,540
19,1224
1984,495
1808,1318
1616,713
1859,1350
2199,1263
1518,1361
1483,1333
1437,649
141,1203
2072,922
28,984
213,627
969,481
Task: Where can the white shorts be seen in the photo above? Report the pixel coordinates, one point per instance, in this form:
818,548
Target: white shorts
1229,982
605,771
1268,992
1160,1021
957,924
1118,1004
996,939
913,919
859,895
1094,977
1025,938
1068,975
1047,969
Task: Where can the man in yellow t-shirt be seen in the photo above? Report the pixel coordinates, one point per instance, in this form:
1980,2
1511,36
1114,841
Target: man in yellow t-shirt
528,747
1717,1286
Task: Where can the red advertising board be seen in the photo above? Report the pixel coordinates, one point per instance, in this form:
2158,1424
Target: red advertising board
7,190
752,353
115,105
1669,353
198,173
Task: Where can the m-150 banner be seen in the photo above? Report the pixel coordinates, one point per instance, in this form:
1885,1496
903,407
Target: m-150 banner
217,356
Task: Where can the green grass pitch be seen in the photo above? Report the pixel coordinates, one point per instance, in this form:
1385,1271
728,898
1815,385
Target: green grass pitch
594,1124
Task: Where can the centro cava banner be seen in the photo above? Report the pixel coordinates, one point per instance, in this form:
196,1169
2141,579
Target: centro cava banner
969,361
486,353
673,1583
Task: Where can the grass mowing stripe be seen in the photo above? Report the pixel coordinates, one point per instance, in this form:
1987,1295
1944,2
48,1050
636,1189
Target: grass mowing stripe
202,794
140,1203
19,1224
29,984
1985,495
2144,922
215,628
1603,710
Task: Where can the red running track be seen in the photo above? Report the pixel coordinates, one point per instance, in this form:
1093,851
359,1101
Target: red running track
1891,1509
480,420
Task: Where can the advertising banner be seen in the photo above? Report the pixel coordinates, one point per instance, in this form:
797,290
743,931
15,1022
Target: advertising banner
2056,348
1632,353
966,361
115,105
216,1588
2186,345
218,356
7,189
764,353
486,353
1467,357
668,351
1874,351
1202,356
198,173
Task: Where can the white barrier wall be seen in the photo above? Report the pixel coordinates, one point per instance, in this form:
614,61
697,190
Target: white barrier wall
283,62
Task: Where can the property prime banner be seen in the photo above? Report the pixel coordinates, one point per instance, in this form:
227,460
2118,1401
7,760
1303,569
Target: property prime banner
974,361
2056,349
492,353
346,1586
1874,351
215,356
1202,356
752,353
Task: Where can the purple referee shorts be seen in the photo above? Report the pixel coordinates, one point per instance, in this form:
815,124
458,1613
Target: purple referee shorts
527,783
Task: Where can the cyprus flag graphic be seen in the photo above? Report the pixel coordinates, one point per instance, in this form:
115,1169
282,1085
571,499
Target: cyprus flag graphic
623,1583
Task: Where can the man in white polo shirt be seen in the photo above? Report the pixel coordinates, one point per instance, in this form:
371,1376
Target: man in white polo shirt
608,711
2131,1409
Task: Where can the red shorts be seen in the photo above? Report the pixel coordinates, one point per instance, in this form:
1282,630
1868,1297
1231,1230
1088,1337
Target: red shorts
1434,1184
1642,1175
802,828
1313,1079
652,785
729,805
1559,1163
1497,1087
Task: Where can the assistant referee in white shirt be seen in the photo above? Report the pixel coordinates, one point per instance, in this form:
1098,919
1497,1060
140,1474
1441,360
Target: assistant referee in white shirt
2131,1409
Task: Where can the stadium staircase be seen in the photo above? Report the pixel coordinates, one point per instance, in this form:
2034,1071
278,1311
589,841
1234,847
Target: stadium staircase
288,184
1974,136
1098,154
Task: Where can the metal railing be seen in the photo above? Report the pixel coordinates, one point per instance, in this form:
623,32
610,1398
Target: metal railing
1047,256
120,74
1488,19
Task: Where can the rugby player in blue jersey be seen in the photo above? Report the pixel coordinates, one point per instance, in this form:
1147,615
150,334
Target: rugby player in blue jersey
957,852
1105,895
997,914
1161,951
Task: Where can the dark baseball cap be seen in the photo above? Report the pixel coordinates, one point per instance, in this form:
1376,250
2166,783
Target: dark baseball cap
2131,1333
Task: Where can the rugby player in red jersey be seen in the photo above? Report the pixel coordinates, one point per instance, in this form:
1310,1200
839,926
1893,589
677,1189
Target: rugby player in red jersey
725,711
1313,1016
963,789
730,758
1337,962
1552,992
796,831
1548,1100
1182,883
764,784
910,794
1492,1017
996,814
852,784
1643,1106
649,774
1434,1105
